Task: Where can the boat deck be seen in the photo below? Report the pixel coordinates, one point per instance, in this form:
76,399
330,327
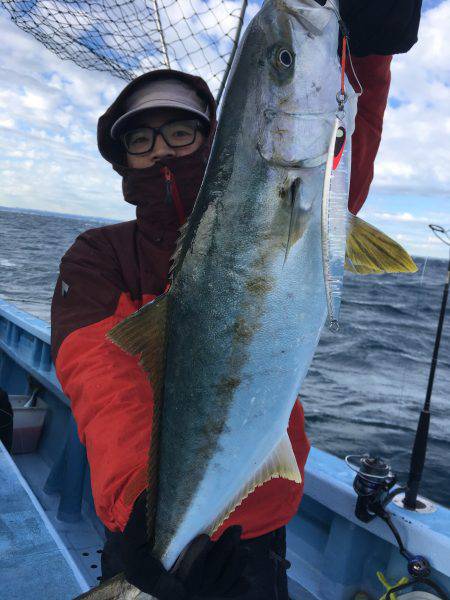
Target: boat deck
83,542
34,560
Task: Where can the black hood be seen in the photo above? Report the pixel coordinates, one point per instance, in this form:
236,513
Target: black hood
112,150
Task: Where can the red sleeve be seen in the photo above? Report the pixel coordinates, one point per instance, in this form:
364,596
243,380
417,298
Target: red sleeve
374,75
110,395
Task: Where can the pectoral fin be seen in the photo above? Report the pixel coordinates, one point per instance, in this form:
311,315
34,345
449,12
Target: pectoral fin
300,207
371,251
280,463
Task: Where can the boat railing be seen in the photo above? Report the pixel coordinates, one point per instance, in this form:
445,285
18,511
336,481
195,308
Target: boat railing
25,341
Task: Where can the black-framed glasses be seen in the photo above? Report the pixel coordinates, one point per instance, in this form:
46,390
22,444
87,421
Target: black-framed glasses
177,134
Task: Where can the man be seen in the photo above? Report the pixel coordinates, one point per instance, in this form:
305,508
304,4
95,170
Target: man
157,135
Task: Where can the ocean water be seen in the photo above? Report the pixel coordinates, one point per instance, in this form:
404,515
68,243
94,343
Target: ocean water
367,382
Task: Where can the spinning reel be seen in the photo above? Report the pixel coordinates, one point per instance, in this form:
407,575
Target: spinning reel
373,485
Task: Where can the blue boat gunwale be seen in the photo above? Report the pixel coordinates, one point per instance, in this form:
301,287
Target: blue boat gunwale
15,323
328,481
26,321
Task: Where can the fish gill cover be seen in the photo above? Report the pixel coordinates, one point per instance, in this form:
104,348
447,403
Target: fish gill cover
130,37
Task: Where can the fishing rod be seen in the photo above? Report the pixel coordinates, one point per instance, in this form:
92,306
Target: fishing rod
418,455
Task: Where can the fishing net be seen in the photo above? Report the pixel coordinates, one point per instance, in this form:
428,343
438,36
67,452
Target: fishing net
130,37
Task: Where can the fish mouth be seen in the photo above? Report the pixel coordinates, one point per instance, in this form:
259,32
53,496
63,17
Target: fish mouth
294,140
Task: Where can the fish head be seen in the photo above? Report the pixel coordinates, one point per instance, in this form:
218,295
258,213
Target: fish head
301,82
283,84
277,119
282,92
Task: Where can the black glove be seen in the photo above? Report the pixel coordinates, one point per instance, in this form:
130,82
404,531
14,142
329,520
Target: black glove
214,570
205,570
141,568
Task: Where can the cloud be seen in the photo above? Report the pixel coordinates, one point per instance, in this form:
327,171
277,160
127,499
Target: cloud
48,150
49,109
410,228
404,217
414,154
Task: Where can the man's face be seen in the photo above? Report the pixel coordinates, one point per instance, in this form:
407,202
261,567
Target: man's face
161,150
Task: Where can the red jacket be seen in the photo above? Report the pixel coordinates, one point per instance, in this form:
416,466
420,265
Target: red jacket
112,271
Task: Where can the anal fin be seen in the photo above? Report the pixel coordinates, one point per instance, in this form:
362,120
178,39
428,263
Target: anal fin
281,462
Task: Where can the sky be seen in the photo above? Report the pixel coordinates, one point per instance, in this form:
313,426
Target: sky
49,158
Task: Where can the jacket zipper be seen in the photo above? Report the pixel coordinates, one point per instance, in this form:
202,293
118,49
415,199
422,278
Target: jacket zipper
168,179
173,195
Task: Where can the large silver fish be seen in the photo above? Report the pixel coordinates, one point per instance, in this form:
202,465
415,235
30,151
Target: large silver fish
258,267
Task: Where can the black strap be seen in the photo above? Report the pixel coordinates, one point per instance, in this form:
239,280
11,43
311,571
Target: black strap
423,580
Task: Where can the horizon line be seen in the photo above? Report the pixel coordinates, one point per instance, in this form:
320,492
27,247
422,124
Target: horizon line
104,219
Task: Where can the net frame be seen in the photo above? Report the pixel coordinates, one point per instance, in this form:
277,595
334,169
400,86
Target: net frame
129,37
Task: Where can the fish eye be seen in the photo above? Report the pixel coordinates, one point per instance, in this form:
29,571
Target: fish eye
285,58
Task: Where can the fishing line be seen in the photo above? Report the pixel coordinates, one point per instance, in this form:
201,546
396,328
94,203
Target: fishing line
346,46
346,52
439,232
343,59
353,69
418,305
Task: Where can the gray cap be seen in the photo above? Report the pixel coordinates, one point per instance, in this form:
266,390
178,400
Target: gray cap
162,93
